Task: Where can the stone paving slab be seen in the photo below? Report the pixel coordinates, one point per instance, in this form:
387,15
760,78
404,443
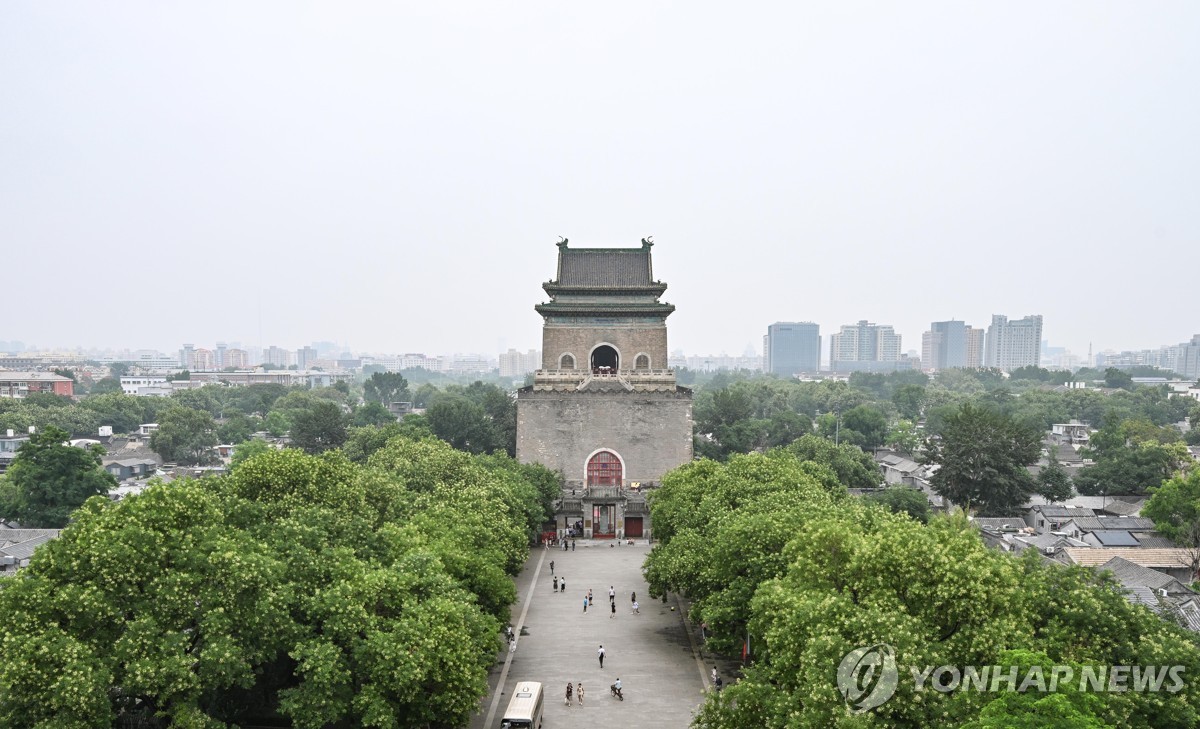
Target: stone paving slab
651,652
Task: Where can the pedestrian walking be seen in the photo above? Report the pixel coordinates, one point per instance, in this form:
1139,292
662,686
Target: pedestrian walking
613,605
572,545
555,584
601,654
714,674
585,604
562,585
612,594
589,596
633,596
564,545
570,688
579,693
636,610
552,567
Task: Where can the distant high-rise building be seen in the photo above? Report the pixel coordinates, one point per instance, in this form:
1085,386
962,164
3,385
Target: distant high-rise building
305,356
519,364
791,347
950,344
277,357
1014,344
203,360
185,357
865,347
220,355
974,348
236,358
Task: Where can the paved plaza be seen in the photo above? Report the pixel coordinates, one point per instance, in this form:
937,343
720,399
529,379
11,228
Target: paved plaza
652,653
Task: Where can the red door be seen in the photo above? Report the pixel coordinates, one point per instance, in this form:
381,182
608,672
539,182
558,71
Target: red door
633,526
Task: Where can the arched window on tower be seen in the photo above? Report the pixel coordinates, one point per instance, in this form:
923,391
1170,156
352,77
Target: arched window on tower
604,360
604,469
566,362
642,362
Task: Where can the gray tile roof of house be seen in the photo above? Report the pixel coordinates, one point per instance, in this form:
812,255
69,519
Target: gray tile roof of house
1061,511
25,549
1135,575
1115,538
1154,540
14,536
995,522
1128,523
604,267
1123,508
130,462
1084,502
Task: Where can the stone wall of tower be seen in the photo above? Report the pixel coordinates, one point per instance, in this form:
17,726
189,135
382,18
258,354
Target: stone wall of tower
651,431
558,339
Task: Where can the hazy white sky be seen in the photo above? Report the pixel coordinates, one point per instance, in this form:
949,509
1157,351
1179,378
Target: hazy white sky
394,175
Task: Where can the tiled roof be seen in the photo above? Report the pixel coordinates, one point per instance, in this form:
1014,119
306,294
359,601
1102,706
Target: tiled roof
1154,541
24,550
7,376
1178,558
1131,574
1062,511
15,536
1123,508
994,522
604,267
1128,523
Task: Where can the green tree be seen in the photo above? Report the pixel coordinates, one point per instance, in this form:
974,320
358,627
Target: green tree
185,436
1054,482
362,442
319,427
864,426
277,424
385,388
236,428
851,467
909,401
49,479
372,414
1118,379
1132,456
1175,508
463,424
106,385
903,438
982,456
246,450
902,500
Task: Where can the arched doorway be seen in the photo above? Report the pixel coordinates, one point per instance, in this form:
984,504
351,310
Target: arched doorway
604,471
605,360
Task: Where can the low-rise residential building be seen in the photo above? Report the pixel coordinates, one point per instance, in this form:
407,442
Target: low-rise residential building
18,545
1050,517
1177,562
19,385
9,444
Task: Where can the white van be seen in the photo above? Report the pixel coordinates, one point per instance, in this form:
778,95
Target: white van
525,709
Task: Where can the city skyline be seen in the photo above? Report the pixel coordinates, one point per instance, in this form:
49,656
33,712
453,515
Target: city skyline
402,186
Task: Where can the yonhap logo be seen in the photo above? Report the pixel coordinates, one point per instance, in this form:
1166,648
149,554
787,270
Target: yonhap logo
867,677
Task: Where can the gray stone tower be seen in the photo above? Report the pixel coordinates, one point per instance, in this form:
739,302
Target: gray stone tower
604,409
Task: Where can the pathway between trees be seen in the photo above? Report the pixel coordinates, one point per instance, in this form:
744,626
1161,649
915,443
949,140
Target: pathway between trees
650,652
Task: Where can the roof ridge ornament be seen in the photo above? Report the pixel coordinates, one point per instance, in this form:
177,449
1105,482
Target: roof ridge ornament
647,241
562,242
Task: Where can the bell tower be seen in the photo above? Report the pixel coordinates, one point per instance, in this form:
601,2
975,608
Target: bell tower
605,409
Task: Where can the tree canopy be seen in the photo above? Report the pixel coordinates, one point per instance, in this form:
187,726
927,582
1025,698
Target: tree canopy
303,587
49,479
982,454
